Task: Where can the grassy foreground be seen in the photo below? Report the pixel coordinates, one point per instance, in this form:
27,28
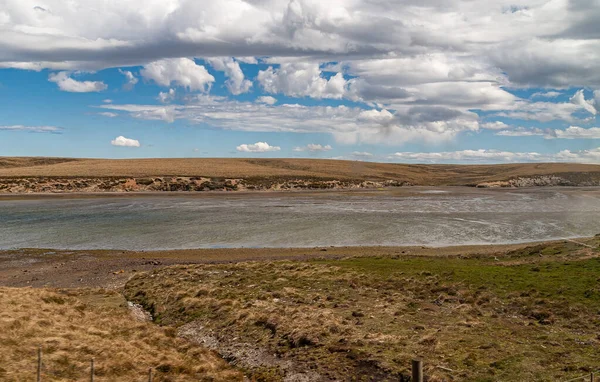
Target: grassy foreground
73,326
531,314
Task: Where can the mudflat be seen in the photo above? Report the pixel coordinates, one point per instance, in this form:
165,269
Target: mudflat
112,268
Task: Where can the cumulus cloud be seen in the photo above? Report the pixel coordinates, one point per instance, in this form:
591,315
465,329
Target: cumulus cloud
495,125
497,156
258,147
125,142
550,94
131,79
301,80
465,156
33,129
588,105
421,71
524,132
182,72
267,100
67,84
313,148
543,44
572,132
426,68
166,97
108,114
543,111
575,132
362,154
347,124
236,83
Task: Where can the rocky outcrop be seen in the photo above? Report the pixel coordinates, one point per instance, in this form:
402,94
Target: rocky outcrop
542,181
179,184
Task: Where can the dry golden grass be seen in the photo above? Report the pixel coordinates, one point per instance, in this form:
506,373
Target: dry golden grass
73,327
281,168
532,316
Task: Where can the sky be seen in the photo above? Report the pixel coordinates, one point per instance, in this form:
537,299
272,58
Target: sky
407,81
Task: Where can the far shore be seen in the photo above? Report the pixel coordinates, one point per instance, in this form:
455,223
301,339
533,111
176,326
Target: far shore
387,191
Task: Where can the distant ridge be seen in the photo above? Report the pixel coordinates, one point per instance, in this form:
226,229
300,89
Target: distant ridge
316,169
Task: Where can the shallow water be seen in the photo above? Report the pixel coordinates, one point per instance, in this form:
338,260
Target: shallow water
435,217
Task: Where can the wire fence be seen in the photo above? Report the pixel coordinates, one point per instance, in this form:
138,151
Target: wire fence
417,374
588,377
92,371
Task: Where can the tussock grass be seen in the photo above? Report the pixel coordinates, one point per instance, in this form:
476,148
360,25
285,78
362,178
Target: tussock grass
530,315
74,326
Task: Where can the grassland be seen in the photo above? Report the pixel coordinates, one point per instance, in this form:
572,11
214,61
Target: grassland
529,314
278,169
73,326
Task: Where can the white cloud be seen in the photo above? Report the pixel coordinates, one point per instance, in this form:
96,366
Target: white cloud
432,64
497,156
267,100
579,100
131,79
182,72
236,83
543,111
362,154
348,125
495,125
572,132
523,132
550,94
466,156
32,129
108,114
301,80
166,97
313,147
125,142
107,100
247,60
575,132
542,44
67,84
258,147
583,156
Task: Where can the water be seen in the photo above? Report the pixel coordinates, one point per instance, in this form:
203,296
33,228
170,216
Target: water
407,217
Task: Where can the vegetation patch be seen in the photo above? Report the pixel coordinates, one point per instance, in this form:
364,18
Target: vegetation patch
530,314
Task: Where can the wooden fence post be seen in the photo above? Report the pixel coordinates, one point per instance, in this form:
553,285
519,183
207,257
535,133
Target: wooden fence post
417,370
150,375
39,369
592,379
92,370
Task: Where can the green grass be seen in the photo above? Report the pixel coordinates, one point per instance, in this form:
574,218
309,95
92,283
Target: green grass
573,282
531,314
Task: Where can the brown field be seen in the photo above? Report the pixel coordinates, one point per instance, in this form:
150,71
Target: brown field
434,175
74,326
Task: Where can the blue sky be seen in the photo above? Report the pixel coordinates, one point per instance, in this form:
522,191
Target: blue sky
351,80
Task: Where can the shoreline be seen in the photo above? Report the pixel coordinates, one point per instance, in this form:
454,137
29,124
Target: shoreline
389,191
111,269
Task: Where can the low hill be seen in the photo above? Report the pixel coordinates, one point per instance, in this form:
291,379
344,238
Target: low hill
416,174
